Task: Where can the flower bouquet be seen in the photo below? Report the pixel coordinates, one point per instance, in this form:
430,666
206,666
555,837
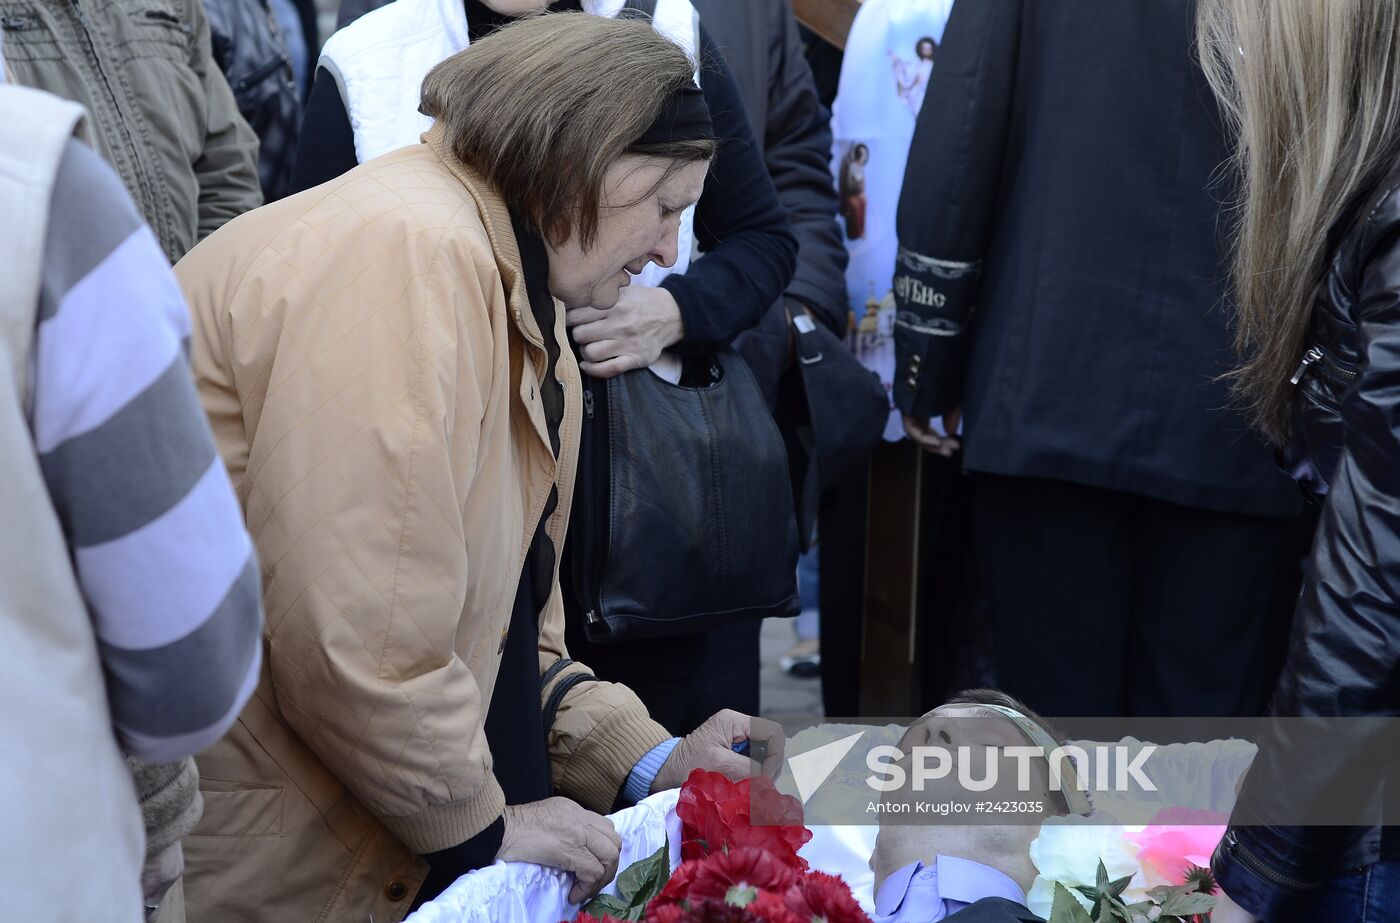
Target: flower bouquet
739,862
1159,874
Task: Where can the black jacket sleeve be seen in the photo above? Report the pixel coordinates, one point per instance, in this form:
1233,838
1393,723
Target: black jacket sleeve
447,865
327,147
749,251
797,148
1343,666
948,202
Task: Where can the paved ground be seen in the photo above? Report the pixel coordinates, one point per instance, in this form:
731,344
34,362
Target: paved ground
784,695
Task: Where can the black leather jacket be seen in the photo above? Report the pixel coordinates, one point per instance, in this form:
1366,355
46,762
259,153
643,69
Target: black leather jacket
1345,649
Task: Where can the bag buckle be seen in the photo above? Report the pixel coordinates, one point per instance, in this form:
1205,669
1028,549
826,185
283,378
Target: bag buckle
805,327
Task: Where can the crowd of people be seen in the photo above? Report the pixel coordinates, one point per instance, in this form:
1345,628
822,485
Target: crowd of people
407,435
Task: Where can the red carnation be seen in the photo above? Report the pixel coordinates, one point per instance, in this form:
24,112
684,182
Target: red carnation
658,912
679,884
771,907
818,896
704,911
717,814
772,807
737,875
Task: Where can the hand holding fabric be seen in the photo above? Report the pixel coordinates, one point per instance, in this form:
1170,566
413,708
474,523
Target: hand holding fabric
711,746
562,834
629,335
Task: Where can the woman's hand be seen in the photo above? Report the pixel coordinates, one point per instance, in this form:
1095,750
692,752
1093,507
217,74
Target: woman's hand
629,335
711,746
564,835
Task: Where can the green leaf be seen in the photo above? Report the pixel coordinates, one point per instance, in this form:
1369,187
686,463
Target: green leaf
644,879
610,903
1101,881
1066,909
1138,912
1119,886
636,887
1185,905
1117,908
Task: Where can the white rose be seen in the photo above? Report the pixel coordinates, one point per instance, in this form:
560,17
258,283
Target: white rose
1068,851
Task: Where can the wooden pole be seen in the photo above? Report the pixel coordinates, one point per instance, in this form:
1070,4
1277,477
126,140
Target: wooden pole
831,19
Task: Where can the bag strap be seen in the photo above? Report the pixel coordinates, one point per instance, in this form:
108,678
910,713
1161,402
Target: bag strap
556,698
638,9
554,670
809,347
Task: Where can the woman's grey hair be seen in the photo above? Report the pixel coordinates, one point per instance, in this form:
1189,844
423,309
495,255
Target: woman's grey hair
544,107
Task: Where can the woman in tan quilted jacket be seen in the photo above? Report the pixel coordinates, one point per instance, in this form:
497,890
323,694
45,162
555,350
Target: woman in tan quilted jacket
380,359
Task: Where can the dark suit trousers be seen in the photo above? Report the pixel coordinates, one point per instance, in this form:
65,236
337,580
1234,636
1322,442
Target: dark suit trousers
1108,603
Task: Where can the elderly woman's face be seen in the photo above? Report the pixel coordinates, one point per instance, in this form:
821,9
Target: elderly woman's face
638,223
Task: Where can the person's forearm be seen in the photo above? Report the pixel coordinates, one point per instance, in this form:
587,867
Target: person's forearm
797,150
739,224
159,546
643,775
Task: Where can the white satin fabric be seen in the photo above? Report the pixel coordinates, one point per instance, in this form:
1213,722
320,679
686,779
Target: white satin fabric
1203,775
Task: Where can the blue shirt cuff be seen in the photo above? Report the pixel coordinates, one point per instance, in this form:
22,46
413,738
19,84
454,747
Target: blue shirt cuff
640,779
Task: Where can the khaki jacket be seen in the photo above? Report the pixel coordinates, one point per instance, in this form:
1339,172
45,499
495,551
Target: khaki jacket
161,112
369,362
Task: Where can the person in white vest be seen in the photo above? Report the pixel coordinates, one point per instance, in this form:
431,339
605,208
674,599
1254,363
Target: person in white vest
129,593
364,103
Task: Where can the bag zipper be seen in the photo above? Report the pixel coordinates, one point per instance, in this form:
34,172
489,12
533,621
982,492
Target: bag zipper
262,73
1330,365
588,572
1246,857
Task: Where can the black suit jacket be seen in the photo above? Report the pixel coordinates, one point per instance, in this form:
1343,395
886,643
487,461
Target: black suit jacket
995,910
1063,270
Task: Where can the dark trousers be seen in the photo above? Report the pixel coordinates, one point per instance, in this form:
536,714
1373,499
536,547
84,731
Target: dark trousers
1107,603
729,673
1371,895
841,529
661,671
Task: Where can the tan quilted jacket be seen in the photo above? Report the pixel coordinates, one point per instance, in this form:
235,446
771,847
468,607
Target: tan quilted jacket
369,363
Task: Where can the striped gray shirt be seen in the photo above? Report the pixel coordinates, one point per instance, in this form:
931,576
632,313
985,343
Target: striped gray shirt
157,537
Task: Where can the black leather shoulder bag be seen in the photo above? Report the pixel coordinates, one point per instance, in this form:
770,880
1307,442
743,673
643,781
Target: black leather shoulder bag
683,512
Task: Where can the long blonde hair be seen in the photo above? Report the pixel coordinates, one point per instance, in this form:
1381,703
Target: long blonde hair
1312,89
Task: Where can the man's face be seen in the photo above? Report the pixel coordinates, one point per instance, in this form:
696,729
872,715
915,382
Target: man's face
638,223
951,727
948,728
